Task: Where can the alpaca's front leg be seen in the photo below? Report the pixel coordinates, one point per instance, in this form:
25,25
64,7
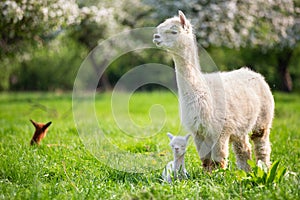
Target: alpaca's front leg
220,152
242,150
203,146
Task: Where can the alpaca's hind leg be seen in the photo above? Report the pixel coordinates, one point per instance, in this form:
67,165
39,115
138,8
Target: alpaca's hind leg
203,147
262,146
242,150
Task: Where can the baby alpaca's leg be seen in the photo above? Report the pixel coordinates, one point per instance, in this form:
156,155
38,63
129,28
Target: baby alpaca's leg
220,152
242,150
204,151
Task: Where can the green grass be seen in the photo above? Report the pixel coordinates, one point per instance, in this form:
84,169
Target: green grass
65,169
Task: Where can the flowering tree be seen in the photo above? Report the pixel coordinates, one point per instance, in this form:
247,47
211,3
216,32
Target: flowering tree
27,23
106,18
267,24
32,21
118,16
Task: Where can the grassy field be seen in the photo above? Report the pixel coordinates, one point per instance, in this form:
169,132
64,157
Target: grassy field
64,167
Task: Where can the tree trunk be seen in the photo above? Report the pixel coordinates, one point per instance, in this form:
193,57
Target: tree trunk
284,58
103,84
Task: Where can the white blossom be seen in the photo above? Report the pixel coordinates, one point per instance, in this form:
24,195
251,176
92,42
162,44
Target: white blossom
45,16
234,23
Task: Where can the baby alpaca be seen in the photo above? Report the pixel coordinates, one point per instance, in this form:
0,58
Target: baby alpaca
176,167
40,132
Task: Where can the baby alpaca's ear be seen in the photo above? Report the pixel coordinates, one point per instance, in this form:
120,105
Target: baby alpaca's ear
170,135
187,137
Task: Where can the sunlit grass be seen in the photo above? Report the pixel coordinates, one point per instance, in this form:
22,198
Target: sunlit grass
62,168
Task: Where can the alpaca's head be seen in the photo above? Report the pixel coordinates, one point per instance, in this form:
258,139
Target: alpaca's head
178,144
173,33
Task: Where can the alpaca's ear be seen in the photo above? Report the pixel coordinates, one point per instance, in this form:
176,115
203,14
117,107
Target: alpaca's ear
33,122
170,136
182,19
187,137
46,125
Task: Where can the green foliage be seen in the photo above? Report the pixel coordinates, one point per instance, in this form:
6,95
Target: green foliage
125,63
50,67
62,168
261,175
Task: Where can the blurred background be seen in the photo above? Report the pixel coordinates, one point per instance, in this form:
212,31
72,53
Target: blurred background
43,42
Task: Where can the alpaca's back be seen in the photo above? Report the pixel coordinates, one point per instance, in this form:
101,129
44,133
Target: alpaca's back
246,99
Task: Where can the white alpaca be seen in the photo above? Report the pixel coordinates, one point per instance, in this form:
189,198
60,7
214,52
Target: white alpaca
176,168
221,107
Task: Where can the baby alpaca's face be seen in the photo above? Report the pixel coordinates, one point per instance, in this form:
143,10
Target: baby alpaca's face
178,145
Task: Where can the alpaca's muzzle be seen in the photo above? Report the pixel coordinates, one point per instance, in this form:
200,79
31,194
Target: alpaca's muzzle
156,39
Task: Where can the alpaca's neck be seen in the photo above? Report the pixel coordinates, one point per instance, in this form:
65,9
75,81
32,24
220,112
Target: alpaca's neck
188,72
179,162
194,93
186,56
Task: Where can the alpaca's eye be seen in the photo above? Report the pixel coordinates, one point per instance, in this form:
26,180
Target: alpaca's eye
174,32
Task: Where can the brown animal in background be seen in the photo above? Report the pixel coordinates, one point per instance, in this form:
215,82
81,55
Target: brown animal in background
40,132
